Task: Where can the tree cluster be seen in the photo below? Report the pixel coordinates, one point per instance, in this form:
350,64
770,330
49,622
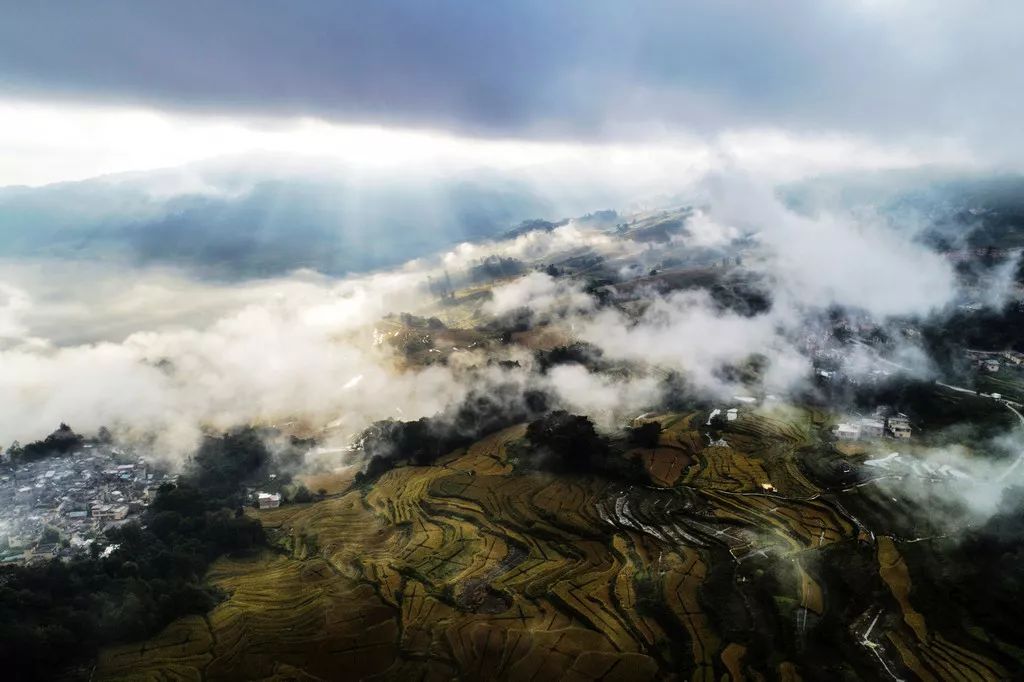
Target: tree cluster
980,575
564,443
421,442
60,442
579,352
983,329
496,267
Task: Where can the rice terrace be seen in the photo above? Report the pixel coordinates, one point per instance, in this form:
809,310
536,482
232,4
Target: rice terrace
731,563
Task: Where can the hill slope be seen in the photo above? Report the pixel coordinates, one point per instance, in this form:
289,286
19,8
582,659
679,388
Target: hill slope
475,569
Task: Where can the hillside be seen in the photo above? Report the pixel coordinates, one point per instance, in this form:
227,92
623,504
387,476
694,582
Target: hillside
735,563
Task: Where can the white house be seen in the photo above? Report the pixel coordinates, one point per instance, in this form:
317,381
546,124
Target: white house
899,426
847,432
871,428
268,500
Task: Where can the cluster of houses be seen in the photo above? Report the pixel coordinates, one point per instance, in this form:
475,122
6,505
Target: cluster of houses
877,426
730,414
60,505
992,361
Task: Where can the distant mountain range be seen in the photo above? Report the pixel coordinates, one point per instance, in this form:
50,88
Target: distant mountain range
223,224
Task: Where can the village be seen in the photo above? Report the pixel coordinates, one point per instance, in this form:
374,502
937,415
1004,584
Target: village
60,506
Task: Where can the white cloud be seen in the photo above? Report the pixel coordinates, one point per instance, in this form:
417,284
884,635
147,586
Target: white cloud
834,259
275,353
540,293
155,352
607,400
685,332
13,304
47,141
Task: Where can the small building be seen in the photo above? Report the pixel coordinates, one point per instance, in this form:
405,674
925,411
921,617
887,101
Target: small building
731,414
871,428
898,426
268,500
1013,357
11,558
847,432
42,552
110,512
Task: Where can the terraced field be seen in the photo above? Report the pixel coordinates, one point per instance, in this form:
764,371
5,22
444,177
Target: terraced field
470,569
929,655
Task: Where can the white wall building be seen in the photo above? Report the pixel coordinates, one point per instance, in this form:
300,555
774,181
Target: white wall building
899,426
268,500
847,432
871,428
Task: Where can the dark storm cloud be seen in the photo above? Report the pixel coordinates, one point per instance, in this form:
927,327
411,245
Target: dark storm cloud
569,69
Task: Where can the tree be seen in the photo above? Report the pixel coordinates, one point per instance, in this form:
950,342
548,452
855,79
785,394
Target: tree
14,451
302,495
421,442
566,442
222,465
60,442
646,435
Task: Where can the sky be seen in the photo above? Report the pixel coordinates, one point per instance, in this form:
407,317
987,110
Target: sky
110,86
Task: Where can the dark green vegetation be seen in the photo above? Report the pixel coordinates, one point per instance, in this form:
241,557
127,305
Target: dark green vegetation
931,408
57,615
935,408
495,267
387,443
980,576
580,352
983,329
60,442
564,443
741,293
